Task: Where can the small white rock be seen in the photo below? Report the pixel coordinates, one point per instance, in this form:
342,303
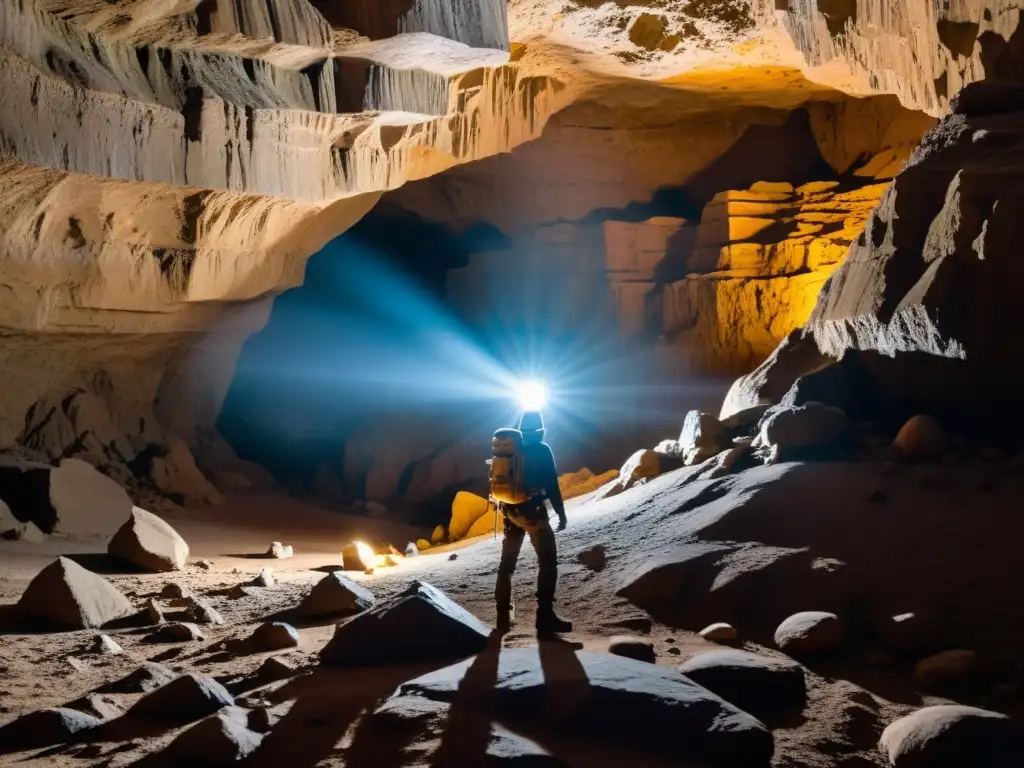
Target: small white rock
720,633
280,551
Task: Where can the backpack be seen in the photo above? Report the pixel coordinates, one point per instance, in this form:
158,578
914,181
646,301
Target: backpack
508,467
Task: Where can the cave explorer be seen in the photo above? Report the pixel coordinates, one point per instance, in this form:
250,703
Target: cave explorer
523,478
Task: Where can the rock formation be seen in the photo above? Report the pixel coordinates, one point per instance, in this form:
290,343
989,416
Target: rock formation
168,171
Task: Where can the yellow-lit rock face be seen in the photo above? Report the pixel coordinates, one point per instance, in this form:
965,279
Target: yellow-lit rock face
756,278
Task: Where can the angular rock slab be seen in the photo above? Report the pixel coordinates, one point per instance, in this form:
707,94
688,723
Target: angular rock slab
610,698
221,739
954,736
274,636
334,595
44,728
754,683
419,623
187,698
149,542
67,595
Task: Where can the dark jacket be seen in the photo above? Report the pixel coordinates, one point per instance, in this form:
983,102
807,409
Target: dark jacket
542,475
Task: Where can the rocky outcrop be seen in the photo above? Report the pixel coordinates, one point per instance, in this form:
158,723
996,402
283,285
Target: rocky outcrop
923,293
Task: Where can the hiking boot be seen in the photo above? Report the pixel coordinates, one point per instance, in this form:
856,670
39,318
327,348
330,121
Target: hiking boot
505,620
551,624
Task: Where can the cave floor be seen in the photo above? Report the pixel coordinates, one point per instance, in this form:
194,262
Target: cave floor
850,699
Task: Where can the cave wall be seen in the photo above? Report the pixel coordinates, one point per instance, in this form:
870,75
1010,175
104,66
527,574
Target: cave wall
168,169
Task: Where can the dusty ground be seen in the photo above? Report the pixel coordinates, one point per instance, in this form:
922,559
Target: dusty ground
763,526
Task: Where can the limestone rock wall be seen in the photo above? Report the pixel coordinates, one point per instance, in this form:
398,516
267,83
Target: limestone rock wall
169,169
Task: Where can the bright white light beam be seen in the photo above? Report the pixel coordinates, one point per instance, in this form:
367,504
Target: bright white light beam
531,394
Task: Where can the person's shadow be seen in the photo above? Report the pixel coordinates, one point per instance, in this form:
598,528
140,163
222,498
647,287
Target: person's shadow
565,680
467,733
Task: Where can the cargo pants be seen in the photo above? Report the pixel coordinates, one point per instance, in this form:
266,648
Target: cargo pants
530,518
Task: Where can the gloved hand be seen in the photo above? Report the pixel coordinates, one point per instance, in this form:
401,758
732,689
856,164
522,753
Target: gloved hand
562,522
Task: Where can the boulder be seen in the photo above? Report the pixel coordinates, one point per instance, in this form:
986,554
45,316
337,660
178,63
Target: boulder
754,683
947,669
411,550
274,636
187,698
467,508
221,739
810,632
720,632
173,470
265,578
437,536
745,421
667,713
417,624
152,613
176,632
13,529
174,591
280,551
44,728
199,611
648,30
260,720
66,595
588,486
641,466
149,542
632,647
594,558
148,677
422,545
669,447
802,431
953,736
485,524
72,497
105,645
275,668
922,438
570,479
702,437
728,461
97,705
334,595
